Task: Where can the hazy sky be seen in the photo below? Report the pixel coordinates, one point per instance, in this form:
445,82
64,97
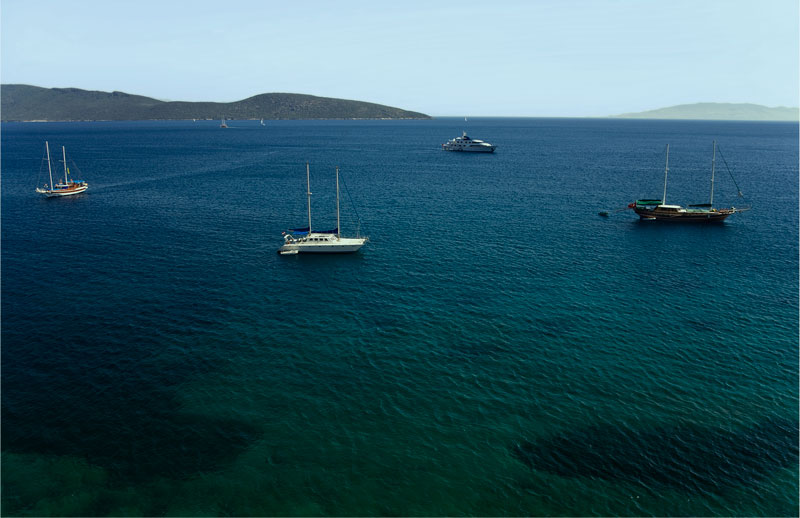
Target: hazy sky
511,58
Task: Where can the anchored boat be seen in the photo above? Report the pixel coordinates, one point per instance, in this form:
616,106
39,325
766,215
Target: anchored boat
305,240
652,209
465,143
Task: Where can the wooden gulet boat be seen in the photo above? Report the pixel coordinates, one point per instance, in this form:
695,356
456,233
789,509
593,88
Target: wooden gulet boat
659,210
66,188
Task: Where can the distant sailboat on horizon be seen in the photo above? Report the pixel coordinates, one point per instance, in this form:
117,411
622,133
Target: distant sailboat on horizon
223,124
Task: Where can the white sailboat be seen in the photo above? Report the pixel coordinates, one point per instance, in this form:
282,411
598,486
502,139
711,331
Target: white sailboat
306,240
68,187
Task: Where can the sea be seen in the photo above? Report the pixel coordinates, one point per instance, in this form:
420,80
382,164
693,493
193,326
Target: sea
497,348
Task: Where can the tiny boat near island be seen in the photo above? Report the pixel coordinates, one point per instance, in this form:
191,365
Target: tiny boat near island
223,124
465,143
658,210
66,188
306,240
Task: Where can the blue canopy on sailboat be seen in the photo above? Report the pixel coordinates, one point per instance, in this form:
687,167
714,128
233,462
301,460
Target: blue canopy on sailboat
299,231
303,231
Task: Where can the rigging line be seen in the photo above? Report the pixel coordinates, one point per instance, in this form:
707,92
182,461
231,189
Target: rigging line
358,217
730,173
75,166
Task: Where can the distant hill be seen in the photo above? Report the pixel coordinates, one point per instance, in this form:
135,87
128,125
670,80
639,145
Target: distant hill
719,111
33,103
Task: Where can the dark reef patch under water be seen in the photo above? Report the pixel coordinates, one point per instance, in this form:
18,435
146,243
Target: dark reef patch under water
143,438
686,457
117,410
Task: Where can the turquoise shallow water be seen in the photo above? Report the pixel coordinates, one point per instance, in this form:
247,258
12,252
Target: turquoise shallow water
497,348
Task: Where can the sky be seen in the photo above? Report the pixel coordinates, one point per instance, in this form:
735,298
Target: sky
536,58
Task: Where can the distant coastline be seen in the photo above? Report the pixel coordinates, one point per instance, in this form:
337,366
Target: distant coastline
719,111
32,103
26,103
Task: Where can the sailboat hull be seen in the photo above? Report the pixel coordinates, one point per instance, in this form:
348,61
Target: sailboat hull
62,192
345,245
715,216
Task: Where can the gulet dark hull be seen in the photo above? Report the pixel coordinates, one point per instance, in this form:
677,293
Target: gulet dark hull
717,216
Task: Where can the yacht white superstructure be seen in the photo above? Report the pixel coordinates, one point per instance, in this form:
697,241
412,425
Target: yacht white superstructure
465,143
304,240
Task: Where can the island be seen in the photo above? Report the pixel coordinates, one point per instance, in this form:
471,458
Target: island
33,103
719,111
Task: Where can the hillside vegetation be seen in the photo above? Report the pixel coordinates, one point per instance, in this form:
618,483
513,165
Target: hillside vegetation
33,103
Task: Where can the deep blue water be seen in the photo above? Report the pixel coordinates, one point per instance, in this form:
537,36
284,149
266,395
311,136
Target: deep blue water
497,348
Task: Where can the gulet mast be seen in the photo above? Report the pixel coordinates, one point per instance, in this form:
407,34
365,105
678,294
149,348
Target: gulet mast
713,161
64,156
49,169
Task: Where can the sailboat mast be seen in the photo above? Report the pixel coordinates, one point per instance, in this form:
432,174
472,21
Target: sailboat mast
49,169
666,170
308,194
337,202
64,156
713,161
